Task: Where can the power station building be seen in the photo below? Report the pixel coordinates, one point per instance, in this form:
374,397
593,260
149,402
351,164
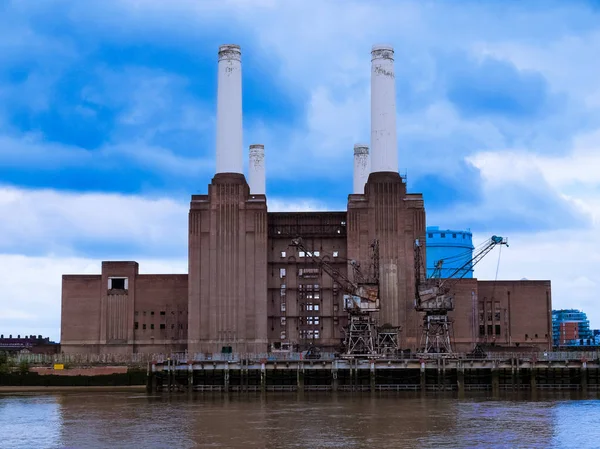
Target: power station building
249,290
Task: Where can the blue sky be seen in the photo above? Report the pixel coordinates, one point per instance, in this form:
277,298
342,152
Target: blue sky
107,122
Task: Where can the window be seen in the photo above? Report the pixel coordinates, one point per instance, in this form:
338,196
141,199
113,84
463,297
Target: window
162,312
430,235
282,335
490,329
309,320
336,254
152,313
316,307
282,272
336,320
317,296
283,321
453,236
162,326
316,334
172,326
283,307
443,235
152,326
136,325
309,306
316,320
117,283
301,254
317,253
336,307
497,329
481,330
282,253
143,326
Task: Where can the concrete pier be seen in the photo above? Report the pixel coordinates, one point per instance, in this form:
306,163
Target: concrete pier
442,374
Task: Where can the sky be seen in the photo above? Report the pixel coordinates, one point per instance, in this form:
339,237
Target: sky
107,126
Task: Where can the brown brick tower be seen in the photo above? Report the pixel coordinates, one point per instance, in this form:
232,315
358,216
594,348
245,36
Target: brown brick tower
228,238
385,211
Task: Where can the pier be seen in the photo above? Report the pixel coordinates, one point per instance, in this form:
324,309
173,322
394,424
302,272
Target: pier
291,372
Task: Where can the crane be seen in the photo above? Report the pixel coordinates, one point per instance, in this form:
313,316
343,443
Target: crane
361,301
433,296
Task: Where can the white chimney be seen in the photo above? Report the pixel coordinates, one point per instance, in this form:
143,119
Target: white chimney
362,167
384,144
229,110
256,175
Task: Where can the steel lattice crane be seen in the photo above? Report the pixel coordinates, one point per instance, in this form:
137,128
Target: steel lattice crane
433,296
361,301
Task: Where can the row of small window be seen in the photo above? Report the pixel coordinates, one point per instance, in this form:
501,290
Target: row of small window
489,316
308,334
302,287
490,330
303,307
443,235
162,313
309,254
310,320
163,326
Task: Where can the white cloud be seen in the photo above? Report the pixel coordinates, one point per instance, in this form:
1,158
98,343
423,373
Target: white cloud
569,258
53,225
31,295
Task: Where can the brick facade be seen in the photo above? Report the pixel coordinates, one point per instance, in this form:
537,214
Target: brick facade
250,290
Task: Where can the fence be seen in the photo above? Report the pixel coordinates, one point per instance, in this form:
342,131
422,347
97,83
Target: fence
142,359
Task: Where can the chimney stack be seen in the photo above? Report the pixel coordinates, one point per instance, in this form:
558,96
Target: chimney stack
256,175
362,167
384,144
229,110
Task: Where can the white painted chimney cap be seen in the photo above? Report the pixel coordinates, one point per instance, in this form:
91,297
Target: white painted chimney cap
382,47
361,148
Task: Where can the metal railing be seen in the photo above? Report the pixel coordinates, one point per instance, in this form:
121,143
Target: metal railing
142,359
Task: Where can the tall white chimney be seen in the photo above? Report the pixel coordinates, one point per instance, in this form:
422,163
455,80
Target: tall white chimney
256,175
384,143
229,110
362,167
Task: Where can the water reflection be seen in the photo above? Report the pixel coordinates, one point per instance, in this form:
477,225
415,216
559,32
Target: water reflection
99,420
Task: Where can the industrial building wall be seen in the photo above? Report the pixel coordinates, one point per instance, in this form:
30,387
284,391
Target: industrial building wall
161,315
80,313
305,304
227,298
122,312
396,219
464,317
515,313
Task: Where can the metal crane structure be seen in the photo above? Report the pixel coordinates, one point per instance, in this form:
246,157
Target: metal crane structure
433,297
363,338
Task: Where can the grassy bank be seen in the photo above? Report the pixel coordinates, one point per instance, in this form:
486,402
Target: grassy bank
21,379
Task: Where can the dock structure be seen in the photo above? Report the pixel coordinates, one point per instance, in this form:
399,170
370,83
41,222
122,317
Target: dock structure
265,372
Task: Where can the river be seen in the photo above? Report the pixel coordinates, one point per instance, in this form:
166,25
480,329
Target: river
134,419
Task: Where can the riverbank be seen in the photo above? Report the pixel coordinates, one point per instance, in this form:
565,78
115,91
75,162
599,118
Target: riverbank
58,389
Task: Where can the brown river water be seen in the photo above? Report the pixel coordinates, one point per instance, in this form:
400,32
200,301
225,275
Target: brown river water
289,420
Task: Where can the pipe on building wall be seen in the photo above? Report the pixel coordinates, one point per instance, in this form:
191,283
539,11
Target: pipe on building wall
229,110
362,167
256,169
384,142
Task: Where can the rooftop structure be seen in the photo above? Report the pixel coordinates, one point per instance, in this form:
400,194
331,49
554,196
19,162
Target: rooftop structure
453,248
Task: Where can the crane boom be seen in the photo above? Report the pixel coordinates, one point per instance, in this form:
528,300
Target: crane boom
435,297
362,296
